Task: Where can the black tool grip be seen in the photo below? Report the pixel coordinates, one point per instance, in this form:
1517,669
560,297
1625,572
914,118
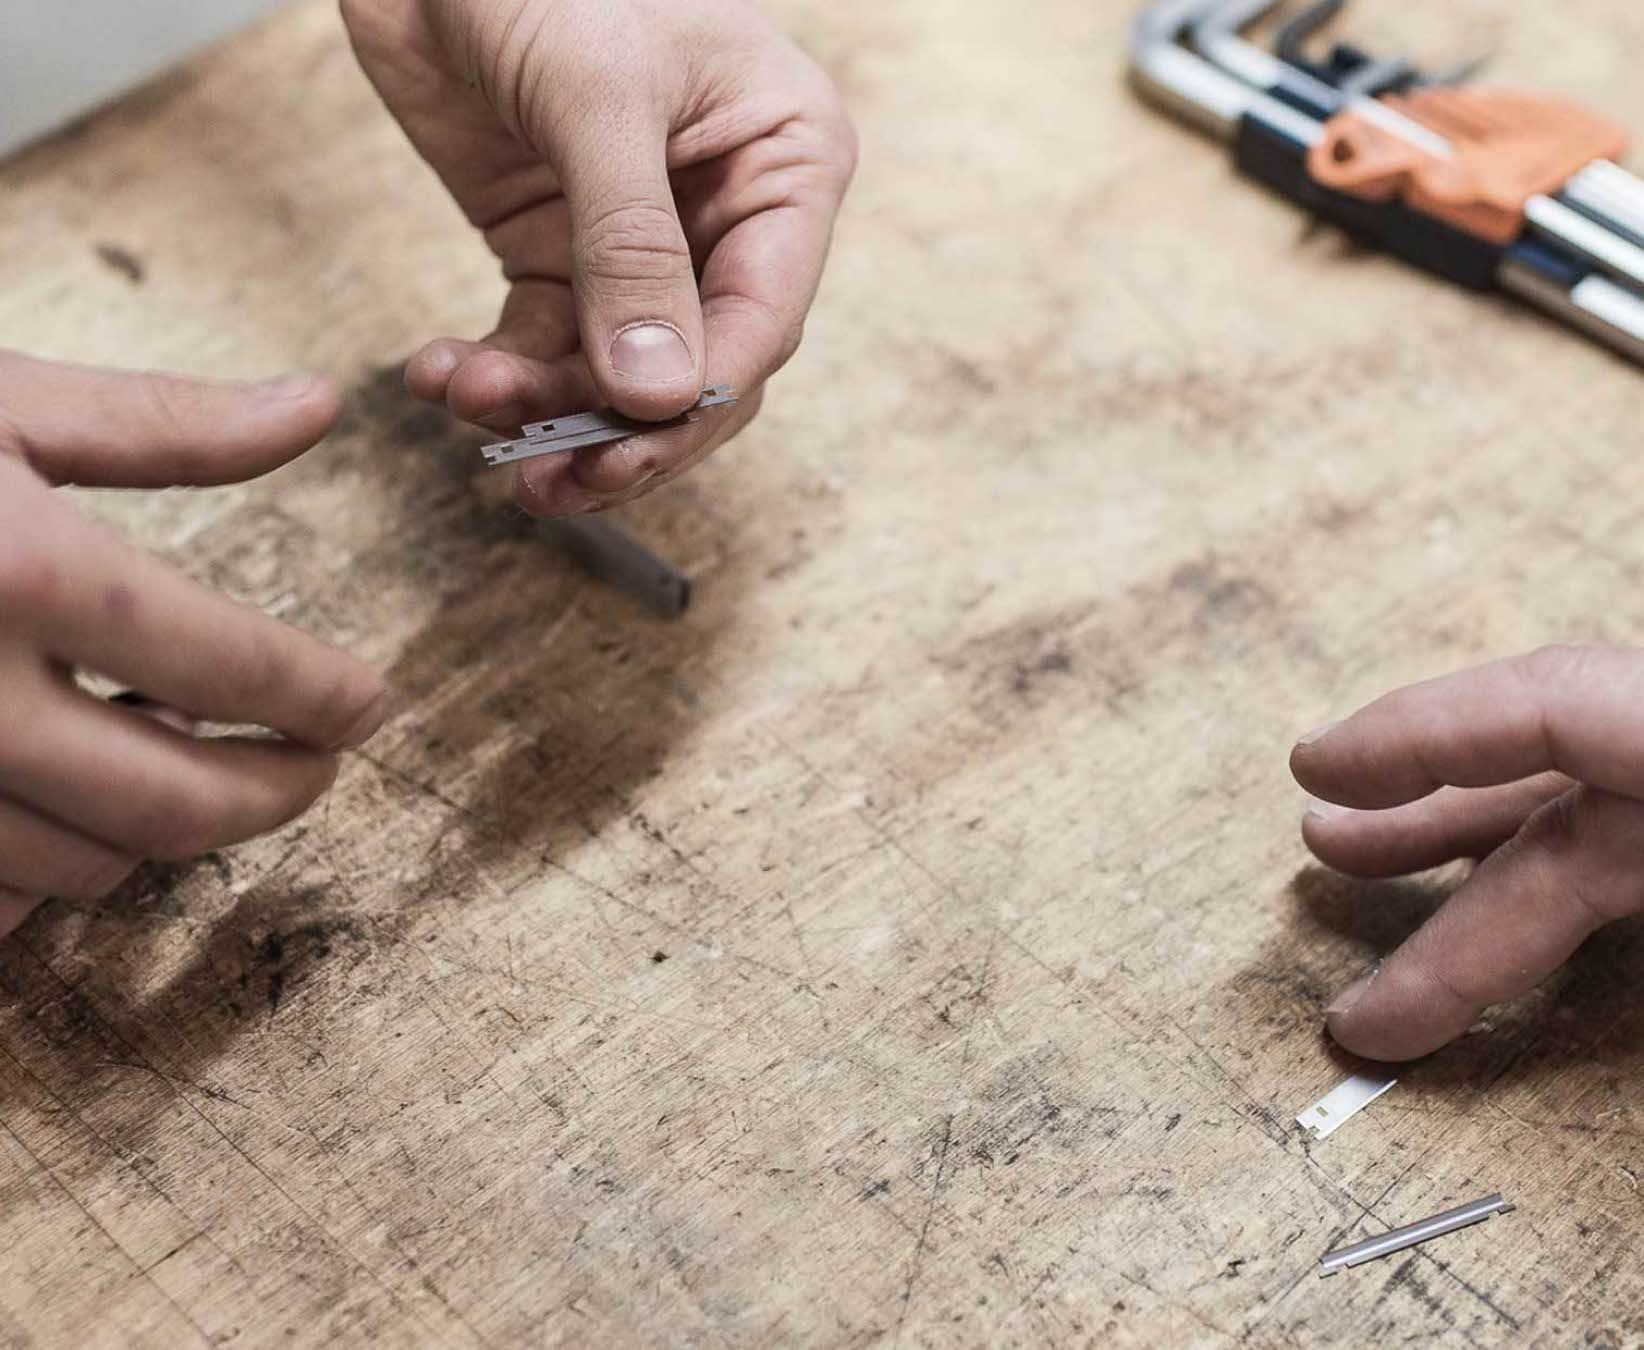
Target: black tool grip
1270,156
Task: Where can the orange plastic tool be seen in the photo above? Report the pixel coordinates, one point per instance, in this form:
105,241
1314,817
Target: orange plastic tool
1507,148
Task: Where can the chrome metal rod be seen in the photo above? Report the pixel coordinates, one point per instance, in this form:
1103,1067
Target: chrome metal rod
1400,1239
1596,305
1551,219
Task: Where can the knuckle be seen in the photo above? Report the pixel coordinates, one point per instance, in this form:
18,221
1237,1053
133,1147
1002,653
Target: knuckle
16,445
827,134
851,147
13,444
1555,831
578,80
846,141
750,414
1554,679
1586,842
780,335
1597,912
633,242
790,337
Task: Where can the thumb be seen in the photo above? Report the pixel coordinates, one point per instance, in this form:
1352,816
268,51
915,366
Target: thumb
107,428
638,310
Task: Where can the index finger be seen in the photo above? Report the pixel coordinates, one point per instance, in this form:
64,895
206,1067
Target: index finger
1571,870
121,428
1576,710
91,600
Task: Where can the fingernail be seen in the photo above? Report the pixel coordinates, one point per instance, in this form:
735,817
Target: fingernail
1344,1001
288,388
1325,811
653,352
367,724
1318,734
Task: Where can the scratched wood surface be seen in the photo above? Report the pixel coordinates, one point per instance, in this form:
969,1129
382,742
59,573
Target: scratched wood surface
914,945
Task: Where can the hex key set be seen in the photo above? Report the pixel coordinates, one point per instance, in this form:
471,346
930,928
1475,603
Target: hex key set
1494,191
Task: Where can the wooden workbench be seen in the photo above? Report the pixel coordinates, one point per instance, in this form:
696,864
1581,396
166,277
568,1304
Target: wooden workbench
914,945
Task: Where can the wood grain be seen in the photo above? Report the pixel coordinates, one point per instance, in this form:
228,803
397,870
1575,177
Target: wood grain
913,946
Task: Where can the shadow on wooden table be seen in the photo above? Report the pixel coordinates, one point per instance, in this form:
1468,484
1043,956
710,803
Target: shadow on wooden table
1590,1012
532,707
537,701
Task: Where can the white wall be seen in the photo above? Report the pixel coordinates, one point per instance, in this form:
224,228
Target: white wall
59,58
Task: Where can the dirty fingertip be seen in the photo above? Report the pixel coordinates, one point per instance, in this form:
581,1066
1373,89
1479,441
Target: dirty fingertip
1348,999
1308,756
428,373
492,390
1345,1029
1317,735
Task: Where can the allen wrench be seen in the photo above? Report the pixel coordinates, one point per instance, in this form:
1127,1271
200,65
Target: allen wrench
1218,37
1578,252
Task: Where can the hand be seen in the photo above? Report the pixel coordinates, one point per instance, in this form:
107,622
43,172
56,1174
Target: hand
659,179
88,789
1536,765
